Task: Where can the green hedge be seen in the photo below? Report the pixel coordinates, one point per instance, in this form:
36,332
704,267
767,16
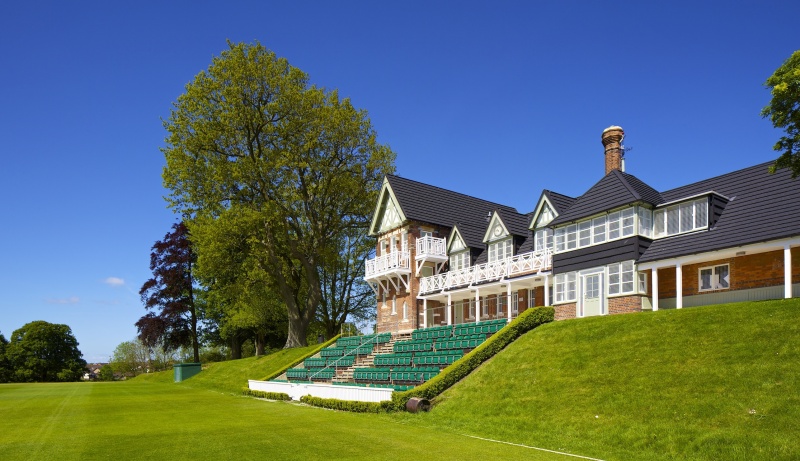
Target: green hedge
347,405
266,395
310,354
526,322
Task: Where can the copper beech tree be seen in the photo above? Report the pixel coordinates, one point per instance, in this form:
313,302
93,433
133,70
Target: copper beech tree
169,295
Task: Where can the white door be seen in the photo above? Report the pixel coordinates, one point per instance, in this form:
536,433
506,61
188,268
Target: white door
592,301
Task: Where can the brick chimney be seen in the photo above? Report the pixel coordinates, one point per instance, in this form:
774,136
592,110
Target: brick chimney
612,137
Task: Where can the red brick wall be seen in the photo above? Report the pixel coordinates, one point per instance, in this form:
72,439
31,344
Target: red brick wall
565,311
386,321
625,304
748,271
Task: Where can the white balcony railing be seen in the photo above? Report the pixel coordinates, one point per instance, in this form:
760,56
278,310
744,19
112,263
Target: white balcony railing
533,261
431,247
395,261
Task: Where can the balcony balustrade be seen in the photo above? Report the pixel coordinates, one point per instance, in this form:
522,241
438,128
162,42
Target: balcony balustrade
395,262
533,261
431,248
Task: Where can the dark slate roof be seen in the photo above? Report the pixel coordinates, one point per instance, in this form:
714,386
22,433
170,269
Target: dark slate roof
614,190
434,205
762,207
560,202
516,223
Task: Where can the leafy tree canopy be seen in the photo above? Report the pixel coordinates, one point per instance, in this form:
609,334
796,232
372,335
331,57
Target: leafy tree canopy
45,352
5,367
169,294
784,112
251,133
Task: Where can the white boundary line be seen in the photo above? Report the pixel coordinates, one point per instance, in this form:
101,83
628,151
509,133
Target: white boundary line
532,448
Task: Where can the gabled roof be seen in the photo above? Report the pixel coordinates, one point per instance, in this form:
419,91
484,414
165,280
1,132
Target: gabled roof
430,204
516,223
560,202
614,190
761,207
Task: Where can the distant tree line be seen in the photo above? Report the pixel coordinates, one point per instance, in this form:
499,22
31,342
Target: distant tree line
276,180
40,352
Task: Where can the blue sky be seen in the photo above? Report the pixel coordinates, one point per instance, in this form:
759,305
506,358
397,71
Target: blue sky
494,99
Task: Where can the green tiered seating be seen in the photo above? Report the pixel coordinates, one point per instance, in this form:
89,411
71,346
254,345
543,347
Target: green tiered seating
432,333
346,361
332,351
322,374
413,346
413,374
354,341
315,362
371,374
393,359
437,358
297,373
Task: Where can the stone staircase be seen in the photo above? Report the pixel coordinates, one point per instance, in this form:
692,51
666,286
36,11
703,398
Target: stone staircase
345,375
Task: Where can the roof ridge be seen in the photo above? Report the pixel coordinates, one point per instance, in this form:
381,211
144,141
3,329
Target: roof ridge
452,191
621,176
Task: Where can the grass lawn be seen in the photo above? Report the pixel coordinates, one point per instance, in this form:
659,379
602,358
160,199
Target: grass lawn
148,420
231,376
712,383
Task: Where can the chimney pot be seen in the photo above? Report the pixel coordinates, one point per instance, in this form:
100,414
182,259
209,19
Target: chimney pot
612,138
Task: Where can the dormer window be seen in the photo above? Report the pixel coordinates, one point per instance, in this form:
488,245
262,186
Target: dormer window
544,240
680,218
498,251
459,261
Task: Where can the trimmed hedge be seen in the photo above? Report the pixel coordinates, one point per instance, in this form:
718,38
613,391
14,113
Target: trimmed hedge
526,322
266,395
347,405
310,354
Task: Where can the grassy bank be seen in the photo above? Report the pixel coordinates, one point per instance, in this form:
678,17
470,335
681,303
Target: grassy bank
710,383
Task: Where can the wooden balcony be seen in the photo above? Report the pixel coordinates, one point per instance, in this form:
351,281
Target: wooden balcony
525,263
392,268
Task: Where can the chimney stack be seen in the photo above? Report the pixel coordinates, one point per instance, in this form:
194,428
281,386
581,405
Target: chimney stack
612,139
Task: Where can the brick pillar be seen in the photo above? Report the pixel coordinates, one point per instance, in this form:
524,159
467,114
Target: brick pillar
612,139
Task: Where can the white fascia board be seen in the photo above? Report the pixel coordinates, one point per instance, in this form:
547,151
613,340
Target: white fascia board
377,215
691,197
725,253
542,200
452,238
487,236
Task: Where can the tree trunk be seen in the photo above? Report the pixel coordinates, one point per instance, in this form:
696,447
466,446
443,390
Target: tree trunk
259,344
236,347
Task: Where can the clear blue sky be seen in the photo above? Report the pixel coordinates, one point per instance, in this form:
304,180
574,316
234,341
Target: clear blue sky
494,99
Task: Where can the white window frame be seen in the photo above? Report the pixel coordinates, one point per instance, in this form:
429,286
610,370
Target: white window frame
675,219
531,298
715,280
596,230
642,283
543,239
394,305
460,260
566,287
500,250
621,279
405,310
645,222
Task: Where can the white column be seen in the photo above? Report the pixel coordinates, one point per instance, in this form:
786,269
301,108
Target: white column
508,303
678,286
424,312
546,290
654,279
787,271
477,305
449,308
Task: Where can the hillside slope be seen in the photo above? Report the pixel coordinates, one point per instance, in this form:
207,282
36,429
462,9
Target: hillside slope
717,382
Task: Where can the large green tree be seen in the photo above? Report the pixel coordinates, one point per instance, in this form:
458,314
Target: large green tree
130,358
784,112
5,367
251,132
45,352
